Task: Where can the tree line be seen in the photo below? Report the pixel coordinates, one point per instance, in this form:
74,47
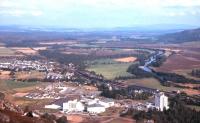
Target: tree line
195,73
177,113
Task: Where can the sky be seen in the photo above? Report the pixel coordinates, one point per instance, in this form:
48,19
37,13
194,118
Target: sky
99,13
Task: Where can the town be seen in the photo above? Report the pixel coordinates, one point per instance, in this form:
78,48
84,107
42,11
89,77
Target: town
69,97
99,61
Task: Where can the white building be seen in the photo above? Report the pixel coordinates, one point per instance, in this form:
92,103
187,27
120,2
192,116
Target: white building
73,106
161,101
52,106
96,108
92,105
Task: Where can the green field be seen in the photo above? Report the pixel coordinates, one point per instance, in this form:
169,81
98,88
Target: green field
10,85
150,83
13,84
110,70
102,61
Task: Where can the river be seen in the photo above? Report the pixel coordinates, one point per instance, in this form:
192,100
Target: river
145,67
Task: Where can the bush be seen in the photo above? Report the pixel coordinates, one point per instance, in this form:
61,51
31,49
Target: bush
62,119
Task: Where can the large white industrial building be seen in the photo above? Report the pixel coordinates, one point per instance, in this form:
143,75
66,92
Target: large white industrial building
161,101
74,105
90,105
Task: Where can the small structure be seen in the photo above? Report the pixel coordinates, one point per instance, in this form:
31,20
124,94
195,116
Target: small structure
161,101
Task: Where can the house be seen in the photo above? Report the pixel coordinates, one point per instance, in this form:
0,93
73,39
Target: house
161,101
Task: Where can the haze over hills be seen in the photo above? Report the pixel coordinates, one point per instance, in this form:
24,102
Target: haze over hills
183,36
137,28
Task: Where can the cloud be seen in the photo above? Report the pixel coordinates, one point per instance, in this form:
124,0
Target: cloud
20,13
69,5
16,13
36,13
19,8
176,14
99,12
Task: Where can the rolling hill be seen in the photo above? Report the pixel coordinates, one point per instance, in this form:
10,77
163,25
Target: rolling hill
180,37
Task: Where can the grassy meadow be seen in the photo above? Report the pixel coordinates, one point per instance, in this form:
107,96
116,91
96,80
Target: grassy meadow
10,85
109,68
150,83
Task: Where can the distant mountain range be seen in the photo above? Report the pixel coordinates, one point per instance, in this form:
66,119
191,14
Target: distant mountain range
162,33
158,28
183,36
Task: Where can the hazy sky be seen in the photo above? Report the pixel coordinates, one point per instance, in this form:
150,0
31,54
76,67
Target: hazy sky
99,13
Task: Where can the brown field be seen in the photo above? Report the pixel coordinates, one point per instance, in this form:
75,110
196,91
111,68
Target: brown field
191,91
20,94
25,50
186,57
121,120
178,62
98,119
75,118
30,75
4,51
183,61
5,75
189,85
126,59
